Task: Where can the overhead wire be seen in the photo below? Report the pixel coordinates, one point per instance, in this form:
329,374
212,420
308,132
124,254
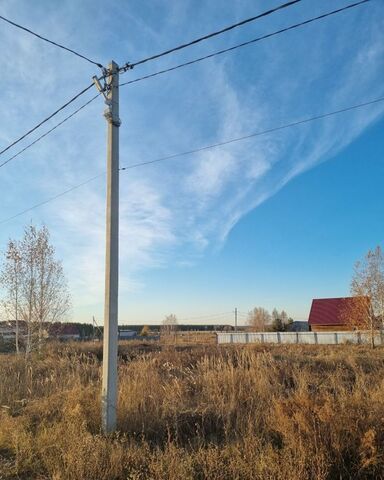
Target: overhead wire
46,119
244,44
271,130
49,131
214,315
165,71
251,135
74,52
129,66
51,199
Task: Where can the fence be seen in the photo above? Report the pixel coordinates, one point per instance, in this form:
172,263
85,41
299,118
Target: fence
314,338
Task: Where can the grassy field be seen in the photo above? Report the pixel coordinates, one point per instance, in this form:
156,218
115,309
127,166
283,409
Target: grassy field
203,412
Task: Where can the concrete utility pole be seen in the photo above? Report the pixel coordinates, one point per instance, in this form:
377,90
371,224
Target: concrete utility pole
109,386
236,319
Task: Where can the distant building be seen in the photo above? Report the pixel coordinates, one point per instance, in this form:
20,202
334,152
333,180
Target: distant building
57,330
326,314
125,334
7,332
63,331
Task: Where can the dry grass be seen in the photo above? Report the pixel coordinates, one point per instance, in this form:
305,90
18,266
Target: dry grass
190,338
283,412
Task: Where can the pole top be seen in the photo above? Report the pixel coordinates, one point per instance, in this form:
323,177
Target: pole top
113,65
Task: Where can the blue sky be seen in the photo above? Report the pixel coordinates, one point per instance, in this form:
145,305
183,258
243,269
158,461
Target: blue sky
273,221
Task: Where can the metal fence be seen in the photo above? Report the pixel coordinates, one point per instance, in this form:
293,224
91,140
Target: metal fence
314,338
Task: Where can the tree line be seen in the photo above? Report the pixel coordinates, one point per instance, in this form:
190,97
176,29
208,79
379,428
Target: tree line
34,294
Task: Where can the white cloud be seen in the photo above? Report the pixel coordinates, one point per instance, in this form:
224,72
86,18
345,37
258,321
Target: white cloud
175,211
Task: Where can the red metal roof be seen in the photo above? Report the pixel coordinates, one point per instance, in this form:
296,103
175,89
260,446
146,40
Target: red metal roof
327,311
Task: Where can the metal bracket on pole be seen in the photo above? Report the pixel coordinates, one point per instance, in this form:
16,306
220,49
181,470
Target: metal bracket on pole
105,90
101,88
126,67
109,115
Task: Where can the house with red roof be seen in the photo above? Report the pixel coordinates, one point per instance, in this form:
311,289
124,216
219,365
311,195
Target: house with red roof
326,314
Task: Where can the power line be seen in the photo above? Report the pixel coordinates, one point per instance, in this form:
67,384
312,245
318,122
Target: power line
244,44
129,66
214,315
50,41
49,131
251,135
161,72
53,198
47,118
271,130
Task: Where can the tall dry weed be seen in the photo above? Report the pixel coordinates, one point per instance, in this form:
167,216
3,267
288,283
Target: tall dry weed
286,412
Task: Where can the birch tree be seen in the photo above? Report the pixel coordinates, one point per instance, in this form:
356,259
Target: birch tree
41,296
169,325
258,319
10,279
366,310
